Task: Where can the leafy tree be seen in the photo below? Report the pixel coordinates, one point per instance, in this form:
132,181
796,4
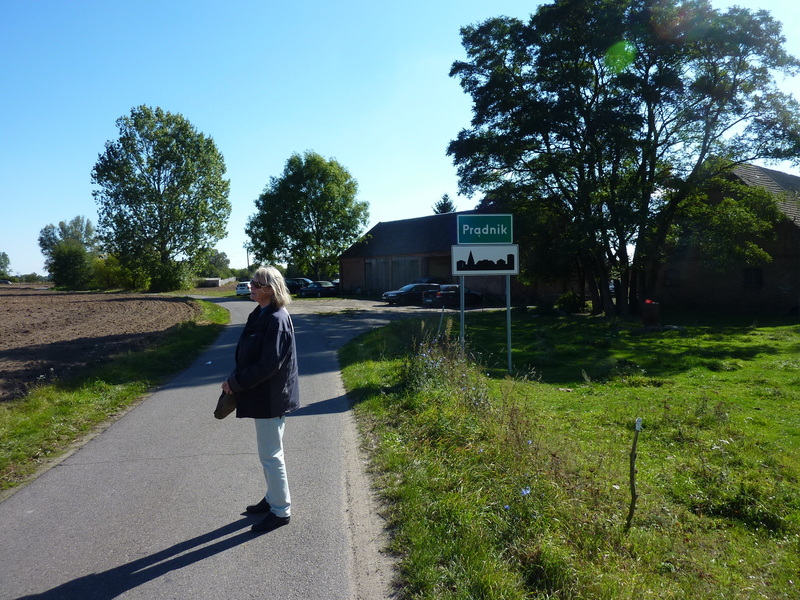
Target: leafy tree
217,265
445,205
108,273
79,229
308,216
5,264
70,264
163,200
244,274
605,118
722,222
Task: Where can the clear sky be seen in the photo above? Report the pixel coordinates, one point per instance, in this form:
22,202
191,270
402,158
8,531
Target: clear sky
362,81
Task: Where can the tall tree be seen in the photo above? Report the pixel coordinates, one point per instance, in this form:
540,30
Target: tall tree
606,116
70,265
308,216
79,229
163,200
5,264
445,205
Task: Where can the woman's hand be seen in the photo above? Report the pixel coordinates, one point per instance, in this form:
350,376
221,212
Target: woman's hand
226,387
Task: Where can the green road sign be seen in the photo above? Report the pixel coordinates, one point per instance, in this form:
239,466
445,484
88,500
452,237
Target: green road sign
485,229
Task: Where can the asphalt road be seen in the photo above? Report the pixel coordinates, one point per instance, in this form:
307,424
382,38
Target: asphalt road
152,507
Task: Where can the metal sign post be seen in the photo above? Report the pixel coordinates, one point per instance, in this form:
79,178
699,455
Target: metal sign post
508,319
484,248
461,298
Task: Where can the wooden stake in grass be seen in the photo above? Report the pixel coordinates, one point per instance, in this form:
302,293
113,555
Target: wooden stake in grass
634,495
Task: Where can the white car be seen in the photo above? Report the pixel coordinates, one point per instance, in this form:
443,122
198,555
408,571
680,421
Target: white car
243,288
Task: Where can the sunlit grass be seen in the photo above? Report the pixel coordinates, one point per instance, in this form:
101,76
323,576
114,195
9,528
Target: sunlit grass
518,487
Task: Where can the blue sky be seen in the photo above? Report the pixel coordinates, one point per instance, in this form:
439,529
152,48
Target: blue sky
362,81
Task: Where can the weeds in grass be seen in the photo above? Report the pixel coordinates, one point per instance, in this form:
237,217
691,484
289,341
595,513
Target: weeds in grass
501,487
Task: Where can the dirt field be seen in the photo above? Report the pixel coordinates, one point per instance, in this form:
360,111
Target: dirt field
45,333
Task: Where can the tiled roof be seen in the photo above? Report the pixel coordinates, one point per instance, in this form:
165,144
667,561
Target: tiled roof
424,235
783,185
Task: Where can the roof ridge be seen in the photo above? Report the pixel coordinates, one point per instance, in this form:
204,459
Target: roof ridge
785,186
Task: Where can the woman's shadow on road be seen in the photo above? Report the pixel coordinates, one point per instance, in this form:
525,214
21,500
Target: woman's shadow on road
116,581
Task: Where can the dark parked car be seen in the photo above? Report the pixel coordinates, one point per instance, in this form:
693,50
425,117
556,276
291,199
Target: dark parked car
295,284
448,295
409,294
318,289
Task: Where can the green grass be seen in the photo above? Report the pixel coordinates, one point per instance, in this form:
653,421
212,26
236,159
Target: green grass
43,424
518,487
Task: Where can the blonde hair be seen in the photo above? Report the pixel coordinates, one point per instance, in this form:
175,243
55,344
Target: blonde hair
272,277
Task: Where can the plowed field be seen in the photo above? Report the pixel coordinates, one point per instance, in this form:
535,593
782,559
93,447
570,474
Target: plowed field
45,334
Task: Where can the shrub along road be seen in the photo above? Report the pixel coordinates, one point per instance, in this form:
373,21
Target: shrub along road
152,507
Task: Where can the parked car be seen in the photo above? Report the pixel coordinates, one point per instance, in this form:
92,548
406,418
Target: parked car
243,288
295,284
318,289
5,282
449,296
409,294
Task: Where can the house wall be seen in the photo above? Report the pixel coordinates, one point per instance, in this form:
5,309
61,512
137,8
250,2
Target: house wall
439,267
771,288
352,275
373,276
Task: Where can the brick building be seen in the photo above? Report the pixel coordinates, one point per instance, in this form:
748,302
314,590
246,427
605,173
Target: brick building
771,288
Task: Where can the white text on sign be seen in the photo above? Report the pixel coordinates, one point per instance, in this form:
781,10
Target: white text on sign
467,229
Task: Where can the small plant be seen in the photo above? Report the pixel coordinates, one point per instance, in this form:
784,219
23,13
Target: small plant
570,303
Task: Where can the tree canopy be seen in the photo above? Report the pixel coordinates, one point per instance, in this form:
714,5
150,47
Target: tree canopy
308,216
163,200
597,121
217,265
70,265
79,230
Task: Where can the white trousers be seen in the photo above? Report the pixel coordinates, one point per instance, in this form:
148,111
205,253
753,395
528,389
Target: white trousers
269,435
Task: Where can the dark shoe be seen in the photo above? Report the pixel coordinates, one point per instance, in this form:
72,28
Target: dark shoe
270,523
261,507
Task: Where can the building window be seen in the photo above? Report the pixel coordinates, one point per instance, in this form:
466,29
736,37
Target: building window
672,278
753,278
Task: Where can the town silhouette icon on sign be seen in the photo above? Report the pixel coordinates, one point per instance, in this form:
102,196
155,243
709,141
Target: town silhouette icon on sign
486,265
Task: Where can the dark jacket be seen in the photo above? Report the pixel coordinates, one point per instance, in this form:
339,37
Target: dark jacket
265,379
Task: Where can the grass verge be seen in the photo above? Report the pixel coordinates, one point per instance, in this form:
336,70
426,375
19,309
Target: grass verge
519,487
42,425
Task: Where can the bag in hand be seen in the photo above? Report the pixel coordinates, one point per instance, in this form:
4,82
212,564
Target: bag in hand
225,405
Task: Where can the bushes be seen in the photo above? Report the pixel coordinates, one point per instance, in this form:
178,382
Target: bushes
570,303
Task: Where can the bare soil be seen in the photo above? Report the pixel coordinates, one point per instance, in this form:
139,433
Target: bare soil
46,334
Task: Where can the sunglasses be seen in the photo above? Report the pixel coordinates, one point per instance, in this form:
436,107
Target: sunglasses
257,285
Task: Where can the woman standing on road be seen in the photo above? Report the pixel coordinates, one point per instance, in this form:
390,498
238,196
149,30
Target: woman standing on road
266,388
